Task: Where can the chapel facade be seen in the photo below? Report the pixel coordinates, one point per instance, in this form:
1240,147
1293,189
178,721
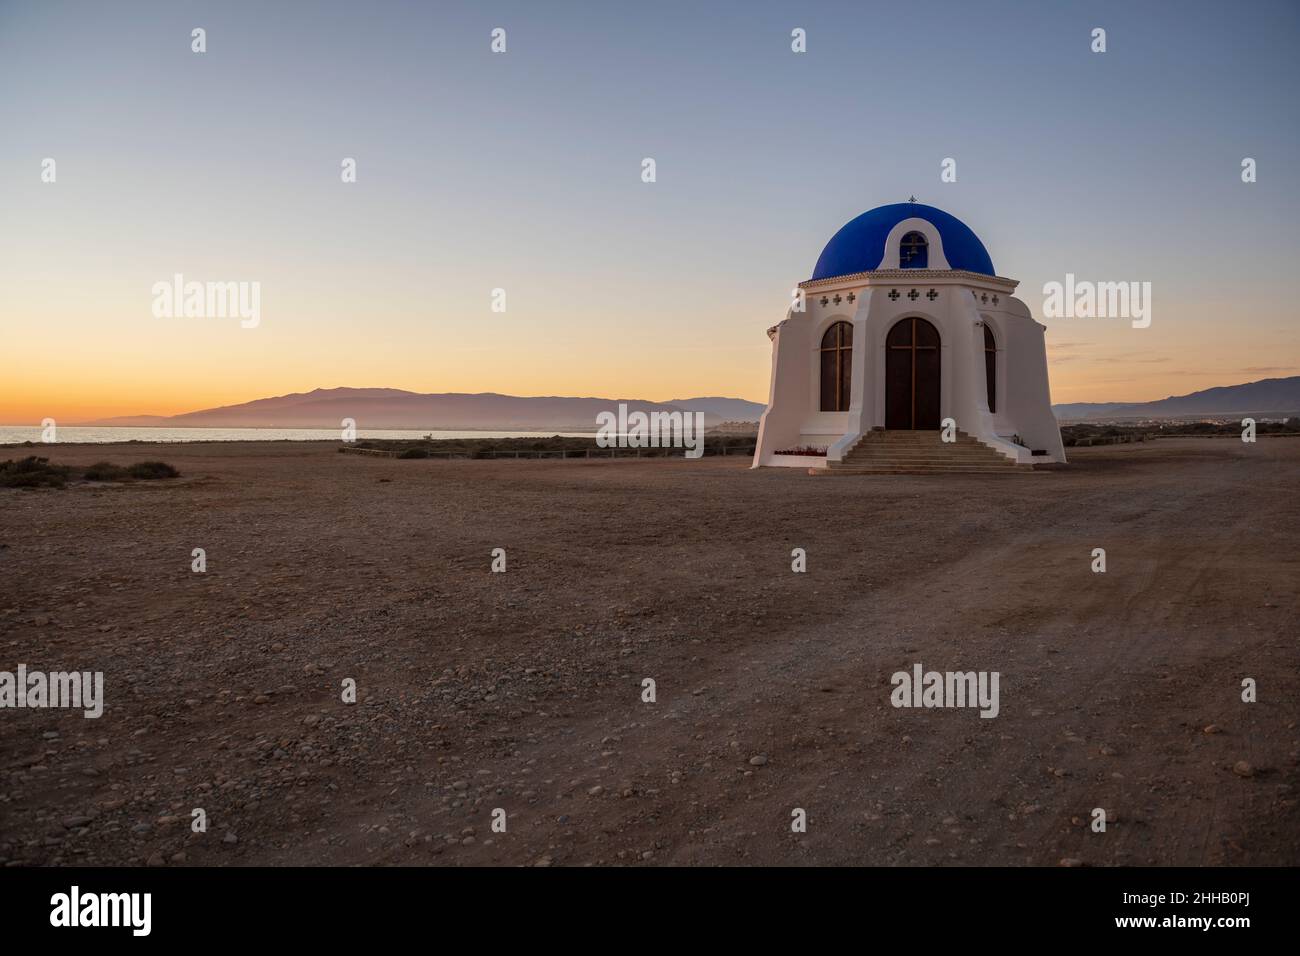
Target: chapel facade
910,355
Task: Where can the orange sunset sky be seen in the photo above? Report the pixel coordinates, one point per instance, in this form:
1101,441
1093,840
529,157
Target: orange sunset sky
523,172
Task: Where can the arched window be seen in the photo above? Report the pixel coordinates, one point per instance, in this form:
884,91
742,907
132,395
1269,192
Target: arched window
913,251
991,368
837,366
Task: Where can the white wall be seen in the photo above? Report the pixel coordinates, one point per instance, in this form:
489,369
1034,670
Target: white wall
793,416
1028,399
782,420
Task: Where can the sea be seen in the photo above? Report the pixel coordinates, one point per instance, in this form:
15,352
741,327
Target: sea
73,434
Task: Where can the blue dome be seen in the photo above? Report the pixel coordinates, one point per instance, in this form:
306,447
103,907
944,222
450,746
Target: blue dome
859,246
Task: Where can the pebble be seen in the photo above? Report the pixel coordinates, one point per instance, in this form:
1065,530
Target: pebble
1243,768
759,760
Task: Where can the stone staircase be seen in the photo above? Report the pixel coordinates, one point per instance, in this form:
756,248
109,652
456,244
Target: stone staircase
921,453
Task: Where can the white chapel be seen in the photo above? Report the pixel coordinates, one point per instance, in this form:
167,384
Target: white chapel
911,355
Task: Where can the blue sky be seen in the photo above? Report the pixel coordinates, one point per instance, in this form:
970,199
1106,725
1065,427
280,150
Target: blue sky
521,171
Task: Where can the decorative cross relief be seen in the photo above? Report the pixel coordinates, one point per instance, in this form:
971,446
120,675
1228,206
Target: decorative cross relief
852,297
825,300
893,294
837,300
914,295
932,295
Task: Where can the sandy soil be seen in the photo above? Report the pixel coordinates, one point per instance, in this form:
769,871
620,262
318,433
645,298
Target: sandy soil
523,690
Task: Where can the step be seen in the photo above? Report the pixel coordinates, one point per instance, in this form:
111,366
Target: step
892,445
914,436
944,452
912,460
922,450
925,466
922,470
917,436
921,463
932,470
922,453
891,442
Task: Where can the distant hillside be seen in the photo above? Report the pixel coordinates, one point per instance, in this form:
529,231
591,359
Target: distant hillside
1276,395
132,421
395,408
728,409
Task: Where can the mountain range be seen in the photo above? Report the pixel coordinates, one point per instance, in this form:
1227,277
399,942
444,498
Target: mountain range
1269,395
373,408
395,408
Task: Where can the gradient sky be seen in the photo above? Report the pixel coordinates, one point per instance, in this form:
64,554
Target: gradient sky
522,171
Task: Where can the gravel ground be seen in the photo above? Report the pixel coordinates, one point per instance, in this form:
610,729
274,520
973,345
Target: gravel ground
523,691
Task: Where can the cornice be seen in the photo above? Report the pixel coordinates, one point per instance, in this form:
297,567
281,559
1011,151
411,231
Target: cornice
912,277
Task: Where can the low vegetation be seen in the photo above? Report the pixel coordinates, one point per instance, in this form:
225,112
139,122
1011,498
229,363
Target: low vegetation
33,472
151,470
1079,435
554,447
104,471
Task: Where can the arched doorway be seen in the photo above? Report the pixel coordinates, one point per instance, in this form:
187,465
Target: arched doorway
912,375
